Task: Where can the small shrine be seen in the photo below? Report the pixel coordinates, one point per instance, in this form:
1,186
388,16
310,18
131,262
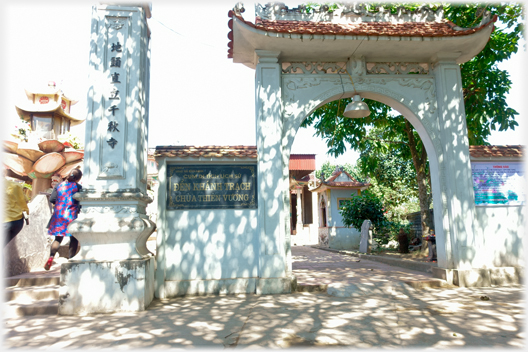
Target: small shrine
42,157
331,193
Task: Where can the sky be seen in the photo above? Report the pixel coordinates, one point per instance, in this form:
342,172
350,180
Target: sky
197,95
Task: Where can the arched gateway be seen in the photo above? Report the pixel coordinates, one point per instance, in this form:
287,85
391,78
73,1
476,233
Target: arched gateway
409,61
223,222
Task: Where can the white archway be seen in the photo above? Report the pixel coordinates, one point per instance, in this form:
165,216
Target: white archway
411,95
433,103
396,59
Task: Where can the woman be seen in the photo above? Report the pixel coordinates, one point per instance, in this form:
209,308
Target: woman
65,211
15,205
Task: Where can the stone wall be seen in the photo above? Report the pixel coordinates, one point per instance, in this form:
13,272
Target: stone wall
30,249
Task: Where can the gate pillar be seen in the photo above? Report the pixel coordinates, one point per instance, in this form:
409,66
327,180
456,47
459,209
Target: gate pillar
460,250
113,271
274,248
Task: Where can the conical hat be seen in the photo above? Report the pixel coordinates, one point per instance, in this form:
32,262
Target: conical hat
30,151
49,163
17,163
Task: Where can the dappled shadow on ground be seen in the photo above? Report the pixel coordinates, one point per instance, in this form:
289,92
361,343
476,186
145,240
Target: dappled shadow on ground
438,318
314,266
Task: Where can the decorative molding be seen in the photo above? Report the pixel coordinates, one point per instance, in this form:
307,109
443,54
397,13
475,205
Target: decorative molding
116,209
427,86
357,66
346,12
318,67
115,23
397,68
108,196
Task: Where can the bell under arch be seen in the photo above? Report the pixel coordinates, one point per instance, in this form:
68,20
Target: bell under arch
399,59
421,116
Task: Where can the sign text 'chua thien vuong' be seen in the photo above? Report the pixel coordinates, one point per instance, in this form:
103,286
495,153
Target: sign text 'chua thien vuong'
212,187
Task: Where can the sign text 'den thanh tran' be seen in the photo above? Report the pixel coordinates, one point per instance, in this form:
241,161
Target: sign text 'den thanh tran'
212,187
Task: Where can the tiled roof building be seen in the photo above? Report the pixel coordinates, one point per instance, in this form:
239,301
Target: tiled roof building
496,151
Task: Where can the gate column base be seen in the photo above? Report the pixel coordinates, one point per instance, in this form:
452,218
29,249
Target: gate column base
93,287
481,277
276,285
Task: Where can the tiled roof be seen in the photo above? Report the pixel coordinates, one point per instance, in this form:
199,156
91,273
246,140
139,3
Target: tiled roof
476,151
444,28
352,183
302,162
185,151
347,184
486,151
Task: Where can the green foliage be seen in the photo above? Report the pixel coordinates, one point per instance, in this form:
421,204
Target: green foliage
311,7
384,135
391,171
396,201
73,140
327,168
485,86
22,131
361,208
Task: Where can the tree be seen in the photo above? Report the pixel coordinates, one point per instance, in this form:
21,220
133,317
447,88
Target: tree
327,169
484,88
366,207
392,178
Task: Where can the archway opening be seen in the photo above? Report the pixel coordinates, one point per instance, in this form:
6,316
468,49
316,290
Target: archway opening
412,135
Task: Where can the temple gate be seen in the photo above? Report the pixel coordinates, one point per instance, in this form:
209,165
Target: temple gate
409,61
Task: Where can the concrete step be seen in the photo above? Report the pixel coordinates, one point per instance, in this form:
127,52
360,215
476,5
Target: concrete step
32,281
312,288
29,294
429,283
14,309
367,289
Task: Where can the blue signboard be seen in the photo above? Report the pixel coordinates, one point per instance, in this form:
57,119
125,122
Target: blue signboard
212,186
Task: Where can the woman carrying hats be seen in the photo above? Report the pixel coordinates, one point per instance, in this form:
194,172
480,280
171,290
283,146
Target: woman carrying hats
65,211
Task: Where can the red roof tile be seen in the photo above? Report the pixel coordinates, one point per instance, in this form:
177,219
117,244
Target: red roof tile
302,162
185,151
347,184
444,28
486,151
476,151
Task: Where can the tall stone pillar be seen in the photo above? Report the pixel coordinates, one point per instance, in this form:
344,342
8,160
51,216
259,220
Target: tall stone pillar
273,187
114,271
458,248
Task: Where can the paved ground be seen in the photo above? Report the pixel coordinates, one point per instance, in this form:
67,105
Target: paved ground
404,317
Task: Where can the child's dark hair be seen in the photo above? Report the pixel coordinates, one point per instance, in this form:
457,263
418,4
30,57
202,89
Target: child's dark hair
75,175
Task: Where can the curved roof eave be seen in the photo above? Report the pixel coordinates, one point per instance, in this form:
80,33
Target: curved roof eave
53,107
338,48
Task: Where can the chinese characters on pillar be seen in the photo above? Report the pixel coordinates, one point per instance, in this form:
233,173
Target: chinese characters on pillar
115,63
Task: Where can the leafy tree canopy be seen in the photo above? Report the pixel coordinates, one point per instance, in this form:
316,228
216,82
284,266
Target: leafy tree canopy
485,86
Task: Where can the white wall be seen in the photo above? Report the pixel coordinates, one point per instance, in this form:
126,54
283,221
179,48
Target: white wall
211,244
502,229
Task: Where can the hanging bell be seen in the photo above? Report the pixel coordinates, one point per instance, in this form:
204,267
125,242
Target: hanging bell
356,108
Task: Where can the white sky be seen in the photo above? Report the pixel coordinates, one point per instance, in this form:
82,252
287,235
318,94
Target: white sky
197,95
